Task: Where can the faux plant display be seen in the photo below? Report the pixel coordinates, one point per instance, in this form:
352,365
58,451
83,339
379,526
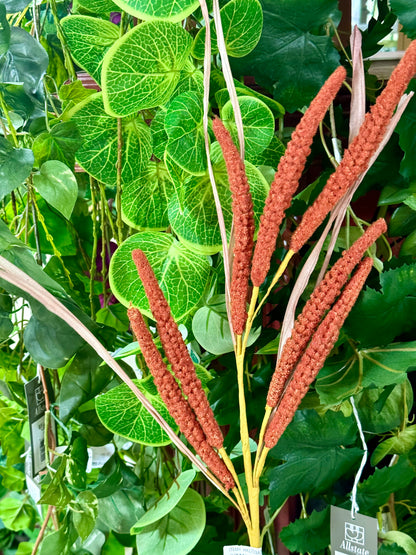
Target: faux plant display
207,278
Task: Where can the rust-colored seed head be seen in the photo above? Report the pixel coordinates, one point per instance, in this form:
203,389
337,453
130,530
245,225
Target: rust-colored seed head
358,155
176,404
314,310
176,351
314,357
242,207
287,176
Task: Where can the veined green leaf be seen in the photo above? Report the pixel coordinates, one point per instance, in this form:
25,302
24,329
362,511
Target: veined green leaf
98,151
181,273
89,39
172,10
142,69
242,23
99,7
122,413
144,201
57,185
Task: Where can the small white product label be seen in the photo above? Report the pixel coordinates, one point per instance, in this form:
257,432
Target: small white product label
241,550
352,536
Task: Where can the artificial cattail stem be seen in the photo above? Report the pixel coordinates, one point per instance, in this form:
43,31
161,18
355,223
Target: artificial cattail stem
315,355
357,157
287,176
314,310
243,218
176,351
176,404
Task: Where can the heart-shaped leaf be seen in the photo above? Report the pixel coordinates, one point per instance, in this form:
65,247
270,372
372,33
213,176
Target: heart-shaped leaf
15,166
57,185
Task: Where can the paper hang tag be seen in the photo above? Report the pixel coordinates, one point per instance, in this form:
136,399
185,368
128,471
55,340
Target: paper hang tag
356,536
241,550
36,407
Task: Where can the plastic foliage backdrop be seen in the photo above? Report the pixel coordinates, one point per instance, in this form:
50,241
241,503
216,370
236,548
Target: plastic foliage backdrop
102,150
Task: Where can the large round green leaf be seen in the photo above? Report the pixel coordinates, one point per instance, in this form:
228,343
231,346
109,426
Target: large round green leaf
172,10
89,38
144,201
242,23
258,124
192,212
122,413
142,69
178,532
98,151
185,130
182,274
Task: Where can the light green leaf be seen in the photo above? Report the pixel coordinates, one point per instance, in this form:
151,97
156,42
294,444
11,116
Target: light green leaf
191,208
172,10
159,135
182,274
122,413
401,539
57,185
191,79
144,201
17,515
88,39
185,130
12,478
211,328
399,444
57,493
98,151
60,143
242,23
85,513
258,124
15,166
141,70
99,7
177,532
167,502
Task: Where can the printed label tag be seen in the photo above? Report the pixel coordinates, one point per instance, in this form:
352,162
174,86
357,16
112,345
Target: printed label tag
35,398
357,536
241,550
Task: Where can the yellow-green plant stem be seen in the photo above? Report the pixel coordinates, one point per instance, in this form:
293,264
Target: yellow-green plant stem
271,520
260,464
119,168
12,130
93,265
101,186
228,463
253,493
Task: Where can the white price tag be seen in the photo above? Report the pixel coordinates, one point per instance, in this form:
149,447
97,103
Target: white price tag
241,550
355,536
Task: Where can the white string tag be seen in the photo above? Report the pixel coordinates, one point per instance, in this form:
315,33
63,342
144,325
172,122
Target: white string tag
354,505
241,550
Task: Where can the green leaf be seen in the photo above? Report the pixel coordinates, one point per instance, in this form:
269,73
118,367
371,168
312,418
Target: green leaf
380,316
375,491
193,216
82,381
14,6
258,123
182,275
114,316
407,139
142,68
120,510
57,493
89,39
295,54
177,532
144,201
399,444
401,539
211,328
191,79
403,221
405,11
15,166
85,513
242,23
159,134
26,62
121,412
57,185
172,10
308,535
11,425
60,143
167,502
185,130
99,7
17,515
60,541
409,245
4,31
98,151
77,464
12,478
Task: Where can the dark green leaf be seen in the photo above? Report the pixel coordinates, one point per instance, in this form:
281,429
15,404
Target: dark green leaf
308,535
405,11
60,143
403,221
407,137
4,30
85,513
77,464
295,54
15,166
120,510
57,185
57,493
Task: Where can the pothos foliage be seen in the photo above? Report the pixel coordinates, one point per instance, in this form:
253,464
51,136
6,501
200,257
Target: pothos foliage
116,162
